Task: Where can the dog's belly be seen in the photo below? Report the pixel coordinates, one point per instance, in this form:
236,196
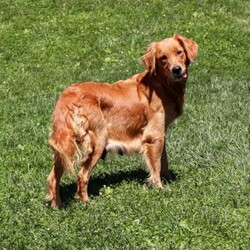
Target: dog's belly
124,147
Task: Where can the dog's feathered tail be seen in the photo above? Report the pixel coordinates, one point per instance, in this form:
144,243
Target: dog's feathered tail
70,139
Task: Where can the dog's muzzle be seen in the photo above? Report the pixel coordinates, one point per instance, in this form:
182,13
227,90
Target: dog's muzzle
178,73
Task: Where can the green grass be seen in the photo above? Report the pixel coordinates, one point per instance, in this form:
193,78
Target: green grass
48,45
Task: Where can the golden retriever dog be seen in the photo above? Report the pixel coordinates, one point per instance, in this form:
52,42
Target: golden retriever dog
129,116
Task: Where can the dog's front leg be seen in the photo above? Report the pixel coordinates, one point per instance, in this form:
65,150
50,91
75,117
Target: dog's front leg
164,165
152,151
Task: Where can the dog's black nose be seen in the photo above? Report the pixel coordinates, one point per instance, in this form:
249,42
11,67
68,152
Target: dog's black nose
176,70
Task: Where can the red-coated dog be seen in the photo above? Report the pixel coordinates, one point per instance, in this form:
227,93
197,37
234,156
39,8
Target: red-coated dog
129,116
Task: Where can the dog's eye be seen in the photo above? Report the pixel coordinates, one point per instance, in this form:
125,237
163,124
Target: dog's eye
179,52
163,58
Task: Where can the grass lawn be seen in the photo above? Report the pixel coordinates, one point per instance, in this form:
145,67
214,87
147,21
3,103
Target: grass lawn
48,45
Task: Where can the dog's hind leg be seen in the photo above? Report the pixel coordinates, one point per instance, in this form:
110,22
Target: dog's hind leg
88,164
53,179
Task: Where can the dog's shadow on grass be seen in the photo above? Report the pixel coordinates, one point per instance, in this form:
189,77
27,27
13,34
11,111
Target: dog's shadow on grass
68,191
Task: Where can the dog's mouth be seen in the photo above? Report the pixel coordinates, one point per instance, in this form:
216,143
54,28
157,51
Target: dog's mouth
181,76
179,73
184,75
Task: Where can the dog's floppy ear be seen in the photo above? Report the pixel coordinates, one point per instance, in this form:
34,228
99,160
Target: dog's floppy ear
148,59
190,46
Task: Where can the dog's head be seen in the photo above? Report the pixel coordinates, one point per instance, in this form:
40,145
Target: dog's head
170,57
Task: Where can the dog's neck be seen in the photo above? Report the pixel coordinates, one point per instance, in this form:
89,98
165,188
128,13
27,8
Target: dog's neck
164,88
